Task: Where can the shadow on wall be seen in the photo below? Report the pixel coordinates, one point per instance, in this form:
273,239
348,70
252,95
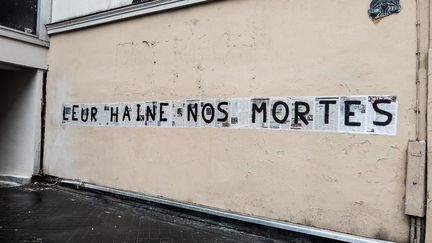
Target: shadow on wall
18,122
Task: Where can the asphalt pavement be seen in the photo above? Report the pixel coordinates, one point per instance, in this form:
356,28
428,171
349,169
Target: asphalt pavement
51,213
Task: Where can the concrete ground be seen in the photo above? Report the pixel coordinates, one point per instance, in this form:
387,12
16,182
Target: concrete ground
50,213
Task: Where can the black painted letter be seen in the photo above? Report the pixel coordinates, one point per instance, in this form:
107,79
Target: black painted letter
255,109
114,114
349,113
204,111
219,107
194,112
126,113
161,112
326,104
301,115
382,112
275,106
138,116
151,112
94,112
64,113
74,113
84,112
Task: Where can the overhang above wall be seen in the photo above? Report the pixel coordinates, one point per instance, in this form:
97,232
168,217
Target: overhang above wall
116,14
20,53
9,67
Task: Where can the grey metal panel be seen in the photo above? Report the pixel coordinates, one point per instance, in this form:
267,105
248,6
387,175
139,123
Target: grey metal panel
23,53
415,195
21,36
44,18
20,180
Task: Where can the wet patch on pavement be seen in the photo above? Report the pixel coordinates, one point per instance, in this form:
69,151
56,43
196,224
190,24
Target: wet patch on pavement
50,213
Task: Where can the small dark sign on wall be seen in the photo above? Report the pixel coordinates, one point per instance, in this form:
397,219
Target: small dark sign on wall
382,8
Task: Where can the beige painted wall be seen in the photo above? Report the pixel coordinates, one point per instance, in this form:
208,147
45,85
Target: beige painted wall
240,48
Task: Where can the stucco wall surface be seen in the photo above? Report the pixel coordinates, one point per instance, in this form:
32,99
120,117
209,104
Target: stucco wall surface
243,48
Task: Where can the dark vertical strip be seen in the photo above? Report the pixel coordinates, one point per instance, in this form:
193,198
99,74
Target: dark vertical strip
43,117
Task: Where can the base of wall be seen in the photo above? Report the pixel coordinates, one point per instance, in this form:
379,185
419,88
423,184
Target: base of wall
20,180
210,212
